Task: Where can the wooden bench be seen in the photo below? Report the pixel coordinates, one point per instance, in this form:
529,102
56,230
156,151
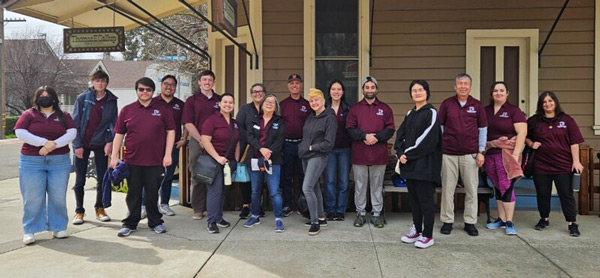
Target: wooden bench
389,187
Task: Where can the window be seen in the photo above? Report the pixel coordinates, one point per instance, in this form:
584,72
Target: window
336,45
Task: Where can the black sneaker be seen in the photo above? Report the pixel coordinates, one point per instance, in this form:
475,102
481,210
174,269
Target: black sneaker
322,223
339,217
223,224
262,213
287,211
446,228
542,224
212,228
331,216
574,230
245,213
471,230
314,229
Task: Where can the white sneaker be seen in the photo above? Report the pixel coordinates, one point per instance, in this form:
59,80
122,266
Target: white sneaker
424,242
412,236
28,239
166,210
143,214
60,234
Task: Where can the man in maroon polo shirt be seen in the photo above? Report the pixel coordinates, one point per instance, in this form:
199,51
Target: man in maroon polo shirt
150,131
175,105
198,108
294,111
370,125
464,126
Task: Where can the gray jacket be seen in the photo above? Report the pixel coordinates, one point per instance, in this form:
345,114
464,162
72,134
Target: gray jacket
319,133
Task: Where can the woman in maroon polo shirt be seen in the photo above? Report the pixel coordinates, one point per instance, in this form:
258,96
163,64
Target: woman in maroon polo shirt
44,165
557,139
217,132
507,129
150,130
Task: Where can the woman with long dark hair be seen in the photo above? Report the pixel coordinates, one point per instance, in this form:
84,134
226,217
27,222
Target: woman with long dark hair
44,165
507,129
557,139
338,162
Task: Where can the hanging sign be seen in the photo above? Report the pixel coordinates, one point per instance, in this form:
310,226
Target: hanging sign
225,15
101,39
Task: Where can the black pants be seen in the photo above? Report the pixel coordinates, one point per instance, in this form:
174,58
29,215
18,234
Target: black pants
422,205
81,166
246,192
148,177
543,187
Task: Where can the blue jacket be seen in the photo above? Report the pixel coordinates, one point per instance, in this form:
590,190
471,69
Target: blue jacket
81,116
113,176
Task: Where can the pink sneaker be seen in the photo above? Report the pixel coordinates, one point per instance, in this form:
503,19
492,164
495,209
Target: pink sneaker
424,242
412,236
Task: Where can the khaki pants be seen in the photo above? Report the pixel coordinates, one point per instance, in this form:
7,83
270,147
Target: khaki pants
466,165
198,189
373,176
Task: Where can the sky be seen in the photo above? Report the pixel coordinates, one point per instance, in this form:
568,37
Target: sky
52,31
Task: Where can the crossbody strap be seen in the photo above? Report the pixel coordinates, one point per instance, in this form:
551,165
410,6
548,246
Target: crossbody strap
232,136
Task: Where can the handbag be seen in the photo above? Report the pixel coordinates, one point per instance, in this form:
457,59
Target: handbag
529,154
207,168
241,172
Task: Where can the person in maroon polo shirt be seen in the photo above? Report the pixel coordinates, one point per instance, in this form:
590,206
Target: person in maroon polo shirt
198,108
370,124
44,165
507,129
464,128
217,132
294,111
150,131
95,114
557,139
175,105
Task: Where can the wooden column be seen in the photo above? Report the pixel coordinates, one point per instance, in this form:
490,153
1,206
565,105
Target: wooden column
584,195
184,177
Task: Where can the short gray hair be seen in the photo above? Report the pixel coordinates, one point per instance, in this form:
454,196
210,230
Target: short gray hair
463,75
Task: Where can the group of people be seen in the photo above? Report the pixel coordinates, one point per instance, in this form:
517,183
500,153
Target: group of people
295,140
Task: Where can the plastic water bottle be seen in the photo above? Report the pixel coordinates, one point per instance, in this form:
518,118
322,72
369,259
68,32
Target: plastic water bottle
227,174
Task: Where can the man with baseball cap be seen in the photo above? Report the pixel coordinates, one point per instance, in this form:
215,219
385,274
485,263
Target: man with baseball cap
294,111
370,124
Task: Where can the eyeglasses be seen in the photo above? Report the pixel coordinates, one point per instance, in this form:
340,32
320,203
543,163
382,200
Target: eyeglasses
148,89
258,92
169,85
419,90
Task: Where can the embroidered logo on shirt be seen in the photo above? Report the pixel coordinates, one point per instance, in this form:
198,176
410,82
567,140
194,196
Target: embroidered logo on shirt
56,120
379,112
303,108
176,107
216,105
275,125
561,124
471,110
504,115
156,113
235,125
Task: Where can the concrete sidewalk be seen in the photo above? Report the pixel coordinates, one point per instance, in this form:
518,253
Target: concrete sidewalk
340,250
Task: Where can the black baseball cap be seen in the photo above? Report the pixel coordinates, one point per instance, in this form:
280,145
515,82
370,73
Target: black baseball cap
294,76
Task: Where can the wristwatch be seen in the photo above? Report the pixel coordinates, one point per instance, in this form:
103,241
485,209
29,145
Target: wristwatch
482,152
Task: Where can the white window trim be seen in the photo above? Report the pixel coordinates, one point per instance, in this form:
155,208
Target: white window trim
472,64
309,43
596,126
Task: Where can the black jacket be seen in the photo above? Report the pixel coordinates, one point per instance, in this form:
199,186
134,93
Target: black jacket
420,139
245,116
318,132
275,137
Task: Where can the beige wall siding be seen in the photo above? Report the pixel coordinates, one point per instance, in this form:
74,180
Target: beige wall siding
426,40
282,43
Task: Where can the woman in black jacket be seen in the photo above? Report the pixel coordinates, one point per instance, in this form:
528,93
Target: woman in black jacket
419,149
265,136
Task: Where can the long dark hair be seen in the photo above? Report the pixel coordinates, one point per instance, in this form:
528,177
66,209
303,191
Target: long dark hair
343,99
55,103
540,104
494,86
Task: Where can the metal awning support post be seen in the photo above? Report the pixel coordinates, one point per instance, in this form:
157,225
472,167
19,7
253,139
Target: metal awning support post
218,29
251,34
550,33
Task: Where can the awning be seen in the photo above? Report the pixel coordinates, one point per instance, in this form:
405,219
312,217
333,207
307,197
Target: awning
82,13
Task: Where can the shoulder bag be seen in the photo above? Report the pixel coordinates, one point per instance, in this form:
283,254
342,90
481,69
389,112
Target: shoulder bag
207,168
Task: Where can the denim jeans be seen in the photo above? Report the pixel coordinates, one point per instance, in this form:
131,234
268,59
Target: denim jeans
167,182
338,165
42,177
256,179
291,163
81,166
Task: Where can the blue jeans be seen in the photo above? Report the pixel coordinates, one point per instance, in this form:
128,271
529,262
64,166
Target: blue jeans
291,162
42,177
338,165
257,178
167,182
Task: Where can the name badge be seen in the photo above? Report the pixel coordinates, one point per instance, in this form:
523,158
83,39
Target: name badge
275,125
256,127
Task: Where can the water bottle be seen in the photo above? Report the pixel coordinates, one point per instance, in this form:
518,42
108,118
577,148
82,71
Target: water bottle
227,174
576,181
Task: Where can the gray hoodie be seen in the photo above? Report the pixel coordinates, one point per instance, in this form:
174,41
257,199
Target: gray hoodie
318,132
